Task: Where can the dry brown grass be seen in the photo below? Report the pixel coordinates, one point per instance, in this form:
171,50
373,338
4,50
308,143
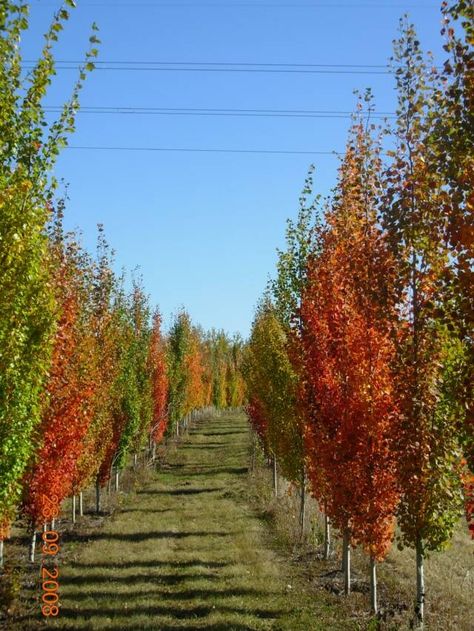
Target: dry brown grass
449,575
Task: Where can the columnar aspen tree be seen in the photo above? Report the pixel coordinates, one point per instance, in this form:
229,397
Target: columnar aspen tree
70,386
272,387
348,351
159,381
428,348
177,351
301,241
452,144
104,325
29,147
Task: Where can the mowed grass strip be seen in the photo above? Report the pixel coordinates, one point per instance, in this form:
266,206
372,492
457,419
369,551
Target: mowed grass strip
185,552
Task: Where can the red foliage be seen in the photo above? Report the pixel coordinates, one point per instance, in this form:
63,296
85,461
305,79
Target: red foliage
347,348
69,410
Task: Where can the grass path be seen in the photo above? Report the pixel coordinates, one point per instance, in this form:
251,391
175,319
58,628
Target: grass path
185,552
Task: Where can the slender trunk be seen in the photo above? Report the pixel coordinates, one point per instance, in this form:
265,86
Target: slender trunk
53,524
135,460
81,504
327,538
116,480
45,527
275,476
33,546
97,497
153,452
1,553
177,430
420,585
346,555
302,503
73,509
373,585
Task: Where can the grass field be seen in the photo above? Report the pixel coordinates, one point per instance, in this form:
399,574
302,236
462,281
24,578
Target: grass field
201,544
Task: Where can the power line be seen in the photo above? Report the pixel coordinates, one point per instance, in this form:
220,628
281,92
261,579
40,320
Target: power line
219,63
202,150
251,5
235,112
148,68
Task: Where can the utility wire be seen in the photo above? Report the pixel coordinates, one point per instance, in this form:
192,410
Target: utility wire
148,68
201,150
250,5
164,111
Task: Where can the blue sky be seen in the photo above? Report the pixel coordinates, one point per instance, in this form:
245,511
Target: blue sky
204,227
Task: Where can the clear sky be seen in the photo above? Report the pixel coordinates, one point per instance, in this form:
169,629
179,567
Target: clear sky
203,226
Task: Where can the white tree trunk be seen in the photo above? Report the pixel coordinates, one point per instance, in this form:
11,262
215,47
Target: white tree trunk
73,509
116,480
53,524
302,504
275,476
135,460
420,585
81,504
33,546
346,556
373,585
327,538
1,553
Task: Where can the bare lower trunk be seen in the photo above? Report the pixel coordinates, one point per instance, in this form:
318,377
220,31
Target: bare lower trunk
81,504
116,480
73,509
346,556
45,527
275,476
1,553
373,585
53,524
135,460
302,504
33,546
420,585
97,496
327,538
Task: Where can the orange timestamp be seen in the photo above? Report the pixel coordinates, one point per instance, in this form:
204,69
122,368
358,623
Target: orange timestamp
49,567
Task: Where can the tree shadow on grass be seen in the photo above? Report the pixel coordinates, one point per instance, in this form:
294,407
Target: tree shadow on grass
198,611
137,564
141,536
183,491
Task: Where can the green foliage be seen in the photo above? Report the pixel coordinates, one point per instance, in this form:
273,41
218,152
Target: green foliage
29,147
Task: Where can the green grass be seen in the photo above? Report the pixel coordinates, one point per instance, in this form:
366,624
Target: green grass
201,543
186,551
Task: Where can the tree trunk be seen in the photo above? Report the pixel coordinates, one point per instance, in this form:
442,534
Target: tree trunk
45,527
33,546
116,480
73,509
81,504
1,553
420,585
302,504
53,523
373,585
327,538
275,476
97,497
135,459
346,558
